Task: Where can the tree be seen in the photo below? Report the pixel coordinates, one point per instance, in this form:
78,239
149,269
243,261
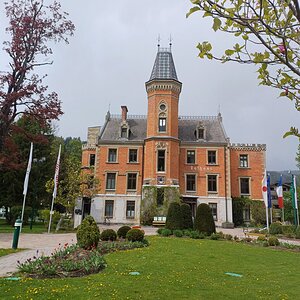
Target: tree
174,216
204,221
32,25
267,34
187,219
297,158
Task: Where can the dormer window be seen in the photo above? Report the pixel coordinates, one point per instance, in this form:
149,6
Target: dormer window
200,132
124,131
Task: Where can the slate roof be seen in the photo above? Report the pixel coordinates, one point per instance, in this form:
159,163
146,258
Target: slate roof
286,176
164,67
187,126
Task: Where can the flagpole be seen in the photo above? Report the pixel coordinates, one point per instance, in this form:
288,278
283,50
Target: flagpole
26,180
51,213
283,215
55,188
267,217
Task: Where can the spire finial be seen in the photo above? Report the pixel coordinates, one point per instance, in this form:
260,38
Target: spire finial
158,41
170,41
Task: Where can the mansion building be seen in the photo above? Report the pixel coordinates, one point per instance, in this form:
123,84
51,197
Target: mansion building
142,163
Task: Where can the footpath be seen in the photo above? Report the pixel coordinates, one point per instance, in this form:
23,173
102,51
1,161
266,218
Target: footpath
45,244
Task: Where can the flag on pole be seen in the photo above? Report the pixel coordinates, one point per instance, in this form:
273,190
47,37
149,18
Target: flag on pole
280,193
264,189
269,191
56,173
294,192
28,170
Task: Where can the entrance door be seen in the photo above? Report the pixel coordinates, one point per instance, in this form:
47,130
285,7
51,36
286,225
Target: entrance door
86,207
192,202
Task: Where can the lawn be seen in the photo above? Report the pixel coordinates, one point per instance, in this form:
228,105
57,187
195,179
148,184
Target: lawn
36,228
173,268
8,251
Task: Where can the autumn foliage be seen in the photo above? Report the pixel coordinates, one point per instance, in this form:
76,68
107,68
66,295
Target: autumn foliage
32,25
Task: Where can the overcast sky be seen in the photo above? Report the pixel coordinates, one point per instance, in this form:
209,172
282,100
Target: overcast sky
111,57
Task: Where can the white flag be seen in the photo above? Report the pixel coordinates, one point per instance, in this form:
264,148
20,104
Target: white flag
56,173
28,170
264,188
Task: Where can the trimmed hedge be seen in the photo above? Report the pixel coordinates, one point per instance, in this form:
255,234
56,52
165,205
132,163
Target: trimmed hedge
108,235
174,216
88,233
204,221
135,235
186,216
122,231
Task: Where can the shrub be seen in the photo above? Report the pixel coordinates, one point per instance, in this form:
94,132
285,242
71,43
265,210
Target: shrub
108,235
186,214
204,221
166,232
236,238
228,237
122,231
288,230
88,233
297,233
273,241
174,216
135,235
187,232
261,238
275,228
197,235
159,230
16,212
45,215
178,233
215,236
265,244
247,240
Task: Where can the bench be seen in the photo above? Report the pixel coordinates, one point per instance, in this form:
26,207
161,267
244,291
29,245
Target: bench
159,221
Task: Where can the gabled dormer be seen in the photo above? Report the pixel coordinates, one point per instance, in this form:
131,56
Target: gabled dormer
124,129
200,131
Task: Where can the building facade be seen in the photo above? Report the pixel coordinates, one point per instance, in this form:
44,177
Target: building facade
144,162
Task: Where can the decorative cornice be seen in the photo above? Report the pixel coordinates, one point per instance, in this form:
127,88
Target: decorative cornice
248,147
168,85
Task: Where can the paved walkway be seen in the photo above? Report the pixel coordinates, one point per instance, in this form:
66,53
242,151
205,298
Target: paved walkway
45,244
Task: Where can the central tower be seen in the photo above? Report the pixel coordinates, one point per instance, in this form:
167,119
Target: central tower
162,143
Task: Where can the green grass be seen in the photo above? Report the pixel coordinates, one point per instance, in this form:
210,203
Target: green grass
36,228
174,268
8,251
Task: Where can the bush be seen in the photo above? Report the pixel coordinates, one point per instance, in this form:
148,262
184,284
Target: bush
122,231
178,233
135,235
186,214
197,235
45,215
108,235
261,238
215,236
297,233
166,232
275,228
288,230
187,232
174,216
204,221
273,241
88,233
16,213
228,237
159,230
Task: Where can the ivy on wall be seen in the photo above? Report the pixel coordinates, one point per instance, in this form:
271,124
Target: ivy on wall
155,202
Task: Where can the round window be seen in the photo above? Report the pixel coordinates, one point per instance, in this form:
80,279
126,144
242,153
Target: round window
162,106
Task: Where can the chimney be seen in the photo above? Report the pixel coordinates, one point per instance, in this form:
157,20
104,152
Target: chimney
124,113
